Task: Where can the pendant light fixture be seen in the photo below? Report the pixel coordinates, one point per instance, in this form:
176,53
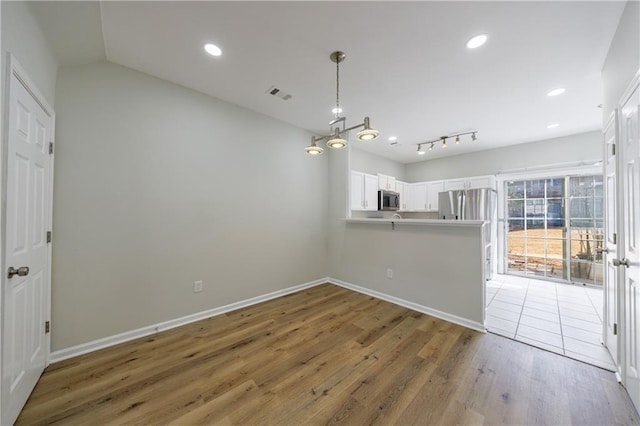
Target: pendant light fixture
336,137
313,149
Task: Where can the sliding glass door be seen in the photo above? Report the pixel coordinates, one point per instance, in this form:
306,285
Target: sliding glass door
586,208
553,228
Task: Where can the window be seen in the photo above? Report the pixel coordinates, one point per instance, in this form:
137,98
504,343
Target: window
554,226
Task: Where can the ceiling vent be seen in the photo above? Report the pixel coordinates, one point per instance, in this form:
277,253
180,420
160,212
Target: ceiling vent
274,91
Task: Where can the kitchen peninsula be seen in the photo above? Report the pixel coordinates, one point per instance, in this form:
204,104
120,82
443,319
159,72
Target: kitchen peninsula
433,266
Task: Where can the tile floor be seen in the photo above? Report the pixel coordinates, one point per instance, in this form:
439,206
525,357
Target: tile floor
562,318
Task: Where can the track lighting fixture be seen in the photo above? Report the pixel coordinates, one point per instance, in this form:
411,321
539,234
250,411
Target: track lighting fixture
420,151
443,139
335,139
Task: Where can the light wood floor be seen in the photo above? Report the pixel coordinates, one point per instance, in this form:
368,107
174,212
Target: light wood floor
324,356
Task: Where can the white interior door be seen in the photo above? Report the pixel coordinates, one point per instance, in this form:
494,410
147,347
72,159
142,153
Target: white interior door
611,289
27,279
629,256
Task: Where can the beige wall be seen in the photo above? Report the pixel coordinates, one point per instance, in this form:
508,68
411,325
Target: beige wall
157,186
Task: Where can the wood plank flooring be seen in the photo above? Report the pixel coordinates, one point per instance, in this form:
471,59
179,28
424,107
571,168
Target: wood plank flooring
325,355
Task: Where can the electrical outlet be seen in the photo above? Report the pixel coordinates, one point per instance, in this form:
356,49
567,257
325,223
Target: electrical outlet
389,273
197,286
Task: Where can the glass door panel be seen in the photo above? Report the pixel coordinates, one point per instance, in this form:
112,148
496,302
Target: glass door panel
587,232
554,228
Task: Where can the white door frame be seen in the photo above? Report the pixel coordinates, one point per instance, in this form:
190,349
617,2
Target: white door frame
14,68
609,142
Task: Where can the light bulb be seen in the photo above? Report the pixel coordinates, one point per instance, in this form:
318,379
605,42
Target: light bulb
212,49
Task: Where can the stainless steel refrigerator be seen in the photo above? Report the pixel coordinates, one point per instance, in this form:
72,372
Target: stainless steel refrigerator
469,204
473,204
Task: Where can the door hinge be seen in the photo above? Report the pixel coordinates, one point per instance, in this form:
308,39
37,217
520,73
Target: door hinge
48,236
613,149
615,329
50,147
47,326
615,238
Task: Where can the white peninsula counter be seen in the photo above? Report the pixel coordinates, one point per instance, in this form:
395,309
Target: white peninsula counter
433,266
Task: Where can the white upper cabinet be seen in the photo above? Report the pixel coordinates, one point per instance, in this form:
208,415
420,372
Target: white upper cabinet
470,183
406,195
433,189
455,184
387,183
364,191
414,197
481,182
419,196
370,192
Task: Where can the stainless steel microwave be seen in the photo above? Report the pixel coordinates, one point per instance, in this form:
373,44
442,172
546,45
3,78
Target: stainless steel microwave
388,200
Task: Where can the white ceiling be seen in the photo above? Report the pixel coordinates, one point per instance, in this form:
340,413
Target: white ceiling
407,66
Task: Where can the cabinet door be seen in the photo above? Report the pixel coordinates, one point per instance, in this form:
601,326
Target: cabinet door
408,197
481,182
357,191
404,189
455,184
433,189
387,183
391,184
370,192
419,196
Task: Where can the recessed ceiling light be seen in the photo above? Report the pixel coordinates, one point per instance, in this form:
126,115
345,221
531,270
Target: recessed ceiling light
393,138
556,92
553,126
212,49
337,110
477,41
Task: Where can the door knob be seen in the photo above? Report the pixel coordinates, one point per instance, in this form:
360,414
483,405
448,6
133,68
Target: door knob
621,262
602,250
22,271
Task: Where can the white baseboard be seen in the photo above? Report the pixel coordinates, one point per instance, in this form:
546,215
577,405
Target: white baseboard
166,325
106,342
411,305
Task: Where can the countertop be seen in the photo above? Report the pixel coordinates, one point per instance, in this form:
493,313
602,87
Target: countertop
428,222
